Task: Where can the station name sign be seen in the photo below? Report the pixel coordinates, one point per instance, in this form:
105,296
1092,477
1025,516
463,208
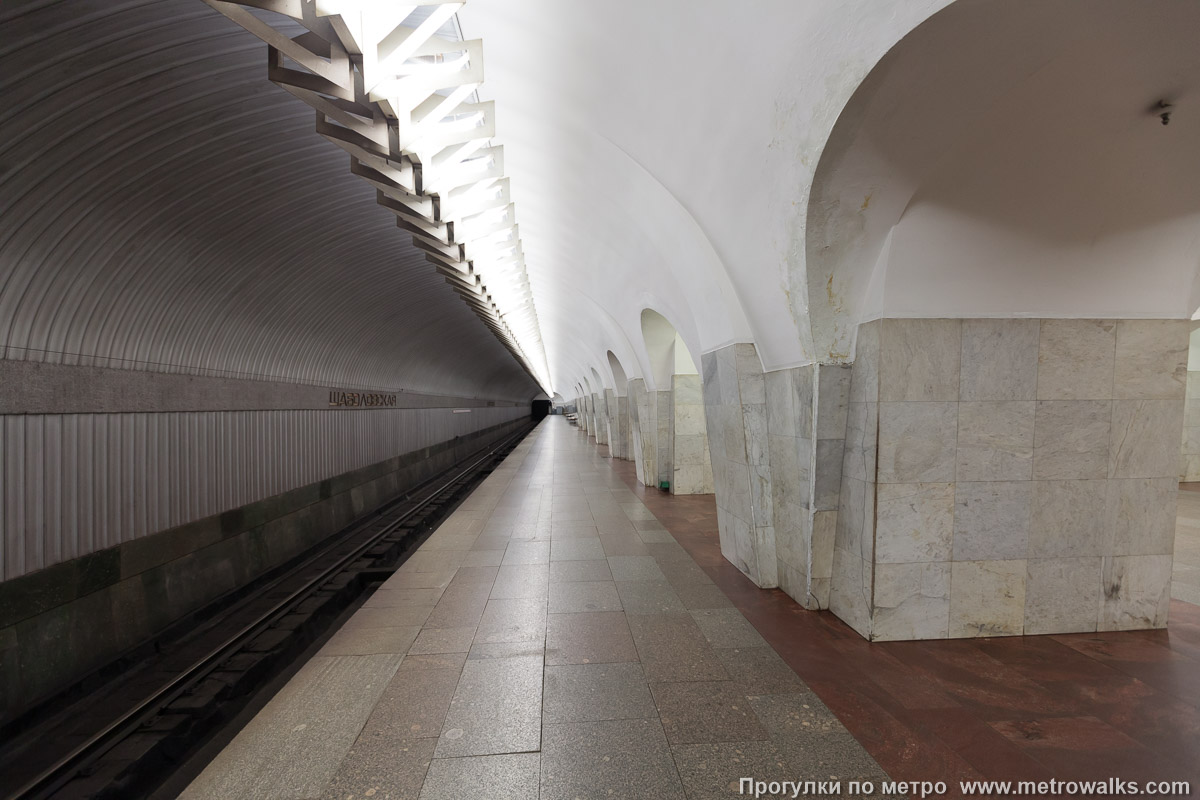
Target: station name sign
361,399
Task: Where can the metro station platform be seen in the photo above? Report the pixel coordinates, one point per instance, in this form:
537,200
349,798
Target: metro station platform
566,635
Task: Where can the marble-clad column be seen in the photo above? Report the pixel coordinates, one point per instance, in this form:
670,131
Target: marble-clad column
664,401
600,417
736,414
643,425
691,464
1009,476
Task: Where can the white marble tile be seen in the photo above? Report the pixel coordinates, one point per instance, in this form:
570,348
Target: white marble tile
828,478
824,524
851,521
1075,359
999,359
987,598
917,442
860,450
1140,516
1136,592
995,441
1069,519
919,359
1145,438
1062,595
914,522
850,591
912,601
864,376
782,416
833,398
991,520
1071,439
1151,359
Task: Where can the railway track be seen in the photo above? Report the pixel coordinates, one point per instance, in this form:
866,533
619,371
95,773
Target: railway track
125,739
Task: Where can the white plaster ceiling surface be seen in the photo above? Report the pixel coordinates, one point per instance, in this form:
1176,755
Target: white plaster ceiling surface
661,155
163,206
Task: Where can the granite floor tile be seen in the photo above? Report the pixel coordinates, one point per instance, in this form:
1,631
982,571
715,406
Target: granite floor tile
570,571
483,558
474,575
379,767
702,595
501,777
580,549
759,670
519,552
497,708
635,568
726,627
649,597
566,598
706,711
514,620
521,581
461,605
624,544
295,745
443,640
405,617
714,771
401,598
799,713
671,647
413,706
362,641
593,692
627,759
591,638
419,580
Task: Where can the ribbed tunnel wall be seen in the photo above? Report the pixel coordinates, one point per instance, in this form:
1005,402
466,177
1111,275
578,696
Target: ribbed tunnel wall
187,270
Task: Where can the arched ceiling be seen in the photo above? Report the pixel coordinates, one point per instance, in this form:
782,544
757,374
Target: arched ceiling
163,206
1006,159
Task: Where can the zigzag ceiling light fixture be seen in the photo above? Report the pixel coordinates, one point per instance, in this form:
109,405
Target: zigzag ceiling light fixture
399,95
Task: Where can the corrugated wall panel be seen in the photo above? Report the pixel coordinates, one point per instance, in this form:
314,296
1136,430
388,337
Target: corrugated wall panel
73,484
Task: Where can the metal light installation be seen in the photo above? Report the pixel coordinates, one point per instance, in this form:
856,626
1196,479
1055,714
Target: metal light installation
400,99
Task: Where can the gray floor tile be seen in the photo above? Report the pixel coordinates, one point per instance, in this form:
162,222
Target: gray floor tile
567,598
572,530
443,640
592,692
419,580
494,541
361,641
580,549
796,714
507,649
668,551
760,670
519,552
521,580
294,746
635,568
571,571
624,544
433,560
682,572
513,620
626,759
461,605
483,558
655,536
474,575
402,598
672,648
706,711
702,595
592,638
413,706
503,777
497,708
405,617
649,597
382,768
714,771
420,661
726,627
830,755
449,541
